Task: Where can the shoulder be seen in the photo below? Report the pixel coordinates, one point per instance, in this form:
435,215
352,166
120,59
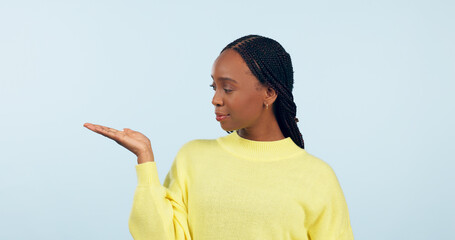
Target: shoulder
320,179
197,148
320,169
197,145
193,152
316,162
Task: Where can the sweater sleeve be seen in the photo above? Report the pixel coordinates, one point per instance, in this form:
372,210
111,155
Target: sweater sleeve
331,220
159,211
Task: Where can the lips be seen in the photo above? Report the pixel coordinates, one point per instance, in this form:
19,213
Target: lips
221,116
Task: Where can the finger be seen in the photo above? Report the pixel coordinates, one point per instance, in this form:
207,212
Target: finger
108,129
100,128
105,131
107,134
90,126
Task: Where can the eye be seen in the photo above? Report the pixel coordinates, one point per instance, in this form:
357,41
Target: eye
225,90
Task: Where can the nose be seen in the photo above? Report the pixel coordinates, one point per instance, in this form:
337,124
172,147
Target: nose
217,100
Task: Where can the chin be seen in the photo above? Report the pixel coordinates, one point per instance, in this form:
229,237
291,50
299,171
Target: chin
228,128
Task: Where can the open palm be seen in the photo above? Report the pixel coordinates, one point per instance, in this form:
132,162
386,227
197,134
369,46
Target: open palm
134,141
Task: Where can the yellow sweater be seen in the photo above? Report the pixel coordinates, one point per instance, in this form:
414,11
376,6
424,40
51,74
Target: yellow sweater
235,188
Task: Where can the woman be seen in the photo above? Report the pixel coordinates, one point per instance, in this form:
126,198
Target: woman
257,182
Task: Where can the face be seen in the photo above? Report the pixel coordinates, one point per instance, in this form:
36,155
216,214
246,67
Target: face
239,96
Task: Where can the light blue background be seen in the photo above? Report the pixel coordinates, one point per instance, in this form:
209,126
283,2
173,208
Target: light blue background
374,85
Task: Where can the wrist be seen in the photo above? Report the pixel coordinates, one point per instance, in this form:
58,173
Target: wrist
145,156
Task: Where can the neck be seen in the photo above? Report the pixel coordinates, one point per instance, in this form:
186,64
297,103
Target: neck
266,129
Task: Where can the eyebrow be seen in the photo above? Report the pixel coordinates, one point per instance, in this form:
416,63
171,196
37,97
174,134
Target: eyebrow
225,79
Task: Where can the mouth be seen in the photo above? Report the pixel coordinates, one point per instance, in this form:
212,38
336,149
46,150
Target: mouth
222,117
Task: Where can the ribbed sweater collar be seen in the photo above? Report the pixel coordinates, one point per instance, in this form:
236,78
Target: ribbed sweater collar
259,150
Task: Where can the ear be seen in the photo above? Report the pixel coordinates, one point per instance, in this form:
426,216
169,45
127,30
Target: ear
270,95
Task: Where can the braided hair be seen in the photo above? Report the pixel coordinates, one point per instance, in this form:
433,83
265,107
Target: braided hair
272,66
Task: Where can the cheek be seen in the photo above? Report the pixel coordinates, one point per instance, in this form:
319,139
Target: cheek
245,107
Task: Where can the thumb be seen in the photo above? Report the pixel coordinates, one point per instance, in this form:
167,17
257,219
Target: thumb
127,130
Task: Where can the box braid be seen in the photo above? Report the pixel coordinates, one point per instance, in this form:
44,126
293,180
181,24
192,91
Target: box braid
272,66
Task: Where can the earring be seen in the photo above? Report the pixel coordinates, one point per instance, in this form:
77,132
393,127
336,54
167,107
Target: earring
266,106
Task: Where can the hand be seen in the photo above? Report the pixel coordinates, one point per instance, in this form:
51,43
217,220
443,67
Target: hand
134,141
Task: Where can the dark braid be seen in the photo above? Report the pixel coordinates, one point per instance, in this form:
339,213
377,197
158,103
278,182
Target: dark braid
272,66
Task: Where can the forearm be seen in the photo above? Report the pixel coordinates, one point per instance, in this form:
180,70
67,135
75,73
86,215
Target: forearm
148,218
158,210
151,214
